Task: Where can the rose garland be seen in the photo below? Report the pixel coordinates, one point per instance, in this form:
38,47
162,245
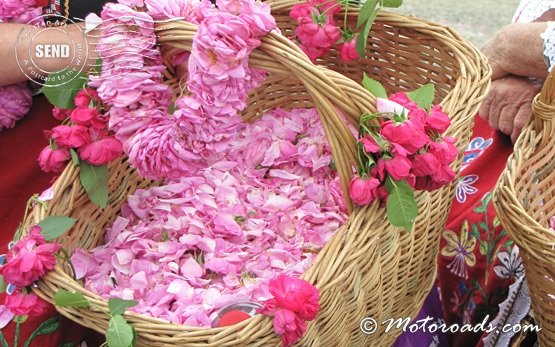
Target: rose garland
16,99
190,148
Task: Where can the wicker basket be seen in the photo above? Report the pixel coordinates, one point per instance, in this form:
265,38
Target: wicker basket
524,200
369,268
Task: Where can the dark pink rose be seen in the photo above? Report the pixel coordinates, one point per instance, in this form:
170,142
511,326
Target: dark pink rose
102,151
363,191
53,160
60,113
73,136
88,117
347,51
25,304
29,260
425,164
289,326
438,120
445,151
407,134
300,10
370,146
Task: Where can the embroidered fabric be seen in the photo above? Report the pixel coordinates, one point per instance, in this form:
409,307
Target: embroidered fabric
549,45
511,313
530,10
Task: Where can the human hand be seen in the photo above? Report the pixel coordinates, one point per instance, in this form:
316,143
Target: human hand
517,49
508,105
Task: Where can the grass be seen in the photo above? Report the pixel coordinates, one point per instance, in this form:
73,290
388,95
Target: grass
476,20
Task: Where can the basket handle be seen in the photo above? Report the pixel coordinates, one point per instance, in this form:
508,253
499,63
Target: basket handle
543,109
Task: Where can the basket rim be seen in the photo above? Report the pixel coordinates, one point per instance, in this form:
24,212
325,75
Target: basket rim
474,70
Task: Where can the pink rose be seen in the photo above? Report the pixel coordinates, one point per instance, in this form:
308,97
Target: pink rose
29,260
25,304
296,295
88,117
60,113
445,151
403,100
81,99
425,164
289,326
101,151
295,301
398,167
438,120
347,51
407,134
313,53
71,136
53,160
363,191
301,10
370,146
317,37
329,7
15,102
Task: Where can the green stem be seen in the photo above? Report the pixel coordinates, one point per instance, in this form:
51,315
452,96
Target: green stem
345,18
16,337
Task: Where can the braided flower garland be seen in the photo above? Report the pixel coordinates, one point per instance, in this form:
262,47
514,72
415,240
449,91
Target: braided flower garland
16,99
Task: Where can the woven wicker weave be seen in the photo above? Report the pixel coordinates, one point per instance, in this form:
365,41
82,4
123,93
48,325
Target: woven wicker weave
368,268
524,200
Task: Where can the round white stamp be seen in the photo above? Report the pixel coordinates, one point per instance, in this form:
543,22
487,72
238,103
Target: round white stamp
48,44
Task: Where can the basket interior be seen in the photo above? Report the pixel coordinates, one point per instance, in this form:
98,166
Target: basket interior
401,57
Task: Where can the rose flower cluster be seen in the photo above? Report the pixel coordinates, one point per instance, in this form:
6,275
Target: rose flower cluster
317,31
84,130
406,145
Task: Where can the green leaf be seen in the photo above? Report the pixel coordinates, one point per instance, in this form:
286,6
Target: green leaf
55,226
65,298
483,248
3,340
401,204
392,3
95,181
74,157
423,96
374,87
118,306
3,284
362,38
46,328
119,333
62,95
369,8
97,68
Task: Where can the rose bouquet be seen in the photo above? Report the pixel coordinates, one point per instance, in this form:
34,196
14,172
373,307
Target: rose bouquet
401,152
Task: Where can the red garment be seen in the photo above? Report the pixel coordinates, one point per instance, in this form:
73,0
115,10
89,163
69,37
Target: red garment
20,178
477,260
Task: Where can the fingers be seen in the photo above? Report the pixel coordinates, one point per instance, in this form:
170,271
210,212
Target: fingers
506,116
485,108
521,119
